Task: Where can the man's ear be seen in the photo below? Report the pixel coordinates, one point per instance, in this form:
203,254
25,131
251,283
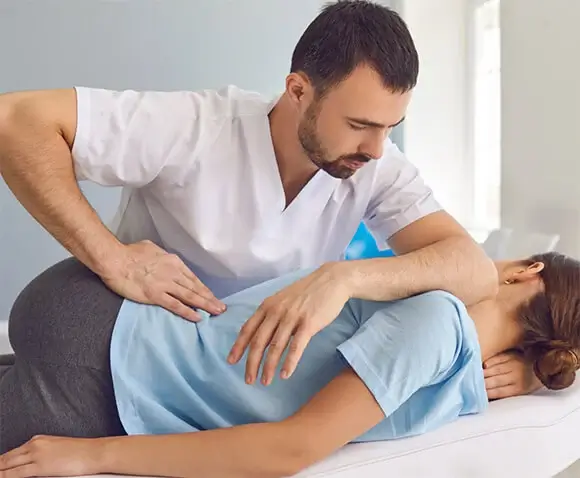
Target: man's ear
299,89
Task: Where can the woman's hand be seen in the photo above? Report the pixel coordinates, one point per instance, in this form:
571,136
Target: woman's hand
52,456
508,375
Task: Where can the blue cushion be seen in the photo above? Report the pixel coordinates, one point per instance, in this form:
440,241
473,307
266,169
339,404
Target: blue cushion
364,246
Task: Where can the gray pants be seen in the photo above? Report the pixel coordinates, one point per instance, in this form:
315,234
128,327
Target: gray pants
60,383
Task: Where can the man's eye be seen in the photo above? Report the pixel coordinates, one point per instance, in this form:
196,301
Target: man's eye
356,127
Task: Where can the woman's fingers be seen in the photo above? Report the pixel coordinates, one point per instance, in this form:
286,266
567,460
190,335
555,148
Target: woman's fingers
497,360
13,458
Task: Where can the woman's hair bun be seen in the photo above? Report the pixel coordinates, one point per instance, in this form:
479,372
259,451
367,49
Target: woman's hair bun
555,364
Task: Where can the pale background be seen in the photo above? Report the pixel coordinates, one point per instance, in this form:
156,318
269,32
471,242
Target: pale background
136,44
494,128
494,124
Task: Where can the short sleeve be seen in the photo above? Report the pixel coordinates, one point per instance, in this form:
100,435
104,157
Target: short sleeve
129,138
405,346
400,196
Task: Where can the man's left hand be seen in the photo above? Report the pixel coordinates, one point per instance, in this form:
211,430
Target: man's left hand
290,318
509,375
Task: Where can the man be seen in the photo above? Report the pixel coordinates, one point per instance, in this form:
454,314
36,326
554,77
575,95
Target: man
224,189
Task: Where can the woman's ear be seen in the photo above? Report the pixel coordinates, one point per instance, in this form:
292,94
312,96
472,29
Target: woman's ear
536,267
518,272
528,272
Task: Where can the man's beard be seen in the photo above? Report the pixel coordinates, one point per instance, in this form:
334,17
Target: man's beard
318,154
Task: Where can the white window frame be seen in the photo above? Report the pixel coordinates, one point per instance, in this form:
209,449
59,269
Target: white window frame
480,223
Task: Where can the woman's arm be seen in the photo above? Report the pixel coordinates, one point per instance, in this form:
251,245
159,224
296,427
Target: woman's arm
340,412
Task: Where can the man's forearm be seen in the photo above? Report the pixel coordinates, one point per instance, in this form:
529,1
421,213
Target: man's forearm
36,164
253,451
456,265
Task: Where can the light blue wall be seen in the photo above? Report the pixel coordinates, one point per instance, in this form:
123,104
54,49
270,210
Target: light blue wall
138,44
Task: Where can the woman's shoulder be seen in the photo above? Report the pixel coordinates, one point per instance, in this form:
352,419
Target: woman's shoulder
440,309
432,302
425,310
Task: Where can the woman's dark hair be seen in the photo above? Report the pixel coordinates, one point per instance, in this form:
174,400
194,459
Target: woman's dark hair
349,33
551,321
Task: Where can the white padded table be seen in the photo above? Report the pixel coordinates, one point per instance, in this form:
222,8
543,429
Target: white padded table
5,347
532,437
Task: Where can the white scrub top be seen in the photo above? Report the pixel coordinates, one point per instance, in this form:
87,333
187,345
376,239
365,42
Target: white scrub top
200,179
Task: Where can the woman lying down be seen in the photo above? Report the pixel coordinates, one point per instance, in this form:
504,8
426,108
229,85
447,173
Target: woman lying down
153,394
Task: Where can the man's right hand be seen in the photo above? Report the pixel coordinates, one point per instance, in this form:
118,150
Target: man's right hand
146,273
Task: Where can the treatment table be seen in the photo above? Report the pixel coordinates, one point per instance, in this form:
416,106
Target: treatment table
530,437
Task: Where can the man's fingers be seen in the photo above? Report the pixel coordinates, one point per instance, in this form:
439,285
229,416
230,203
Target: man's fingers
151,275
276,348
257,346
193,298
187,271
296,349
178,308
191,281
196,286
499,381
199,285
497,359
246,333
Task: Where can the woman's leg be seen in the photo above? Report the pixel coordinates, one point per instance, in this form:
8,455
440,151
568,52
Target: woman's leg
60,384
6,361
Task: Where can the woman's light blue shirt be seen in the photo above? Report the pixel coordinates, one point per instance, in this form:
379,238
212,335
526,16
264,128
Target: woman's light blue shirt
419,357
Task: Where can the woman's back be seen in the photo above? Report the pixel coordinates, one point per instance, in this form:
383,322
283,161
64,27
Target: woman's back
418,356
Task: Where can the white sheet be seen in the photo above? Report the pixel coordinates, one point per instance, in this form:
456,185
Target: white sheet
5,347
532,437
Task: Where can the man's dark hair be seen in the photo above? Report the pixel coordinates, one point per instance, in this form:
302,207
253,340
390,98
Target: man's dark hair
349,33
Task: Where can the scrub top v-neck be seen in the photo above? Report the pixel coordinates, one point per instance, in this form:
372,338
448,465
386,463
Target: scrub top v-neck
308,204
200,179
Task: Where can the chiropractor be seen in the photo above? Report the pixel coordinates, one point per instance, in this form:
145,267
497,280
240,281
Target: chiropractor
224,189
